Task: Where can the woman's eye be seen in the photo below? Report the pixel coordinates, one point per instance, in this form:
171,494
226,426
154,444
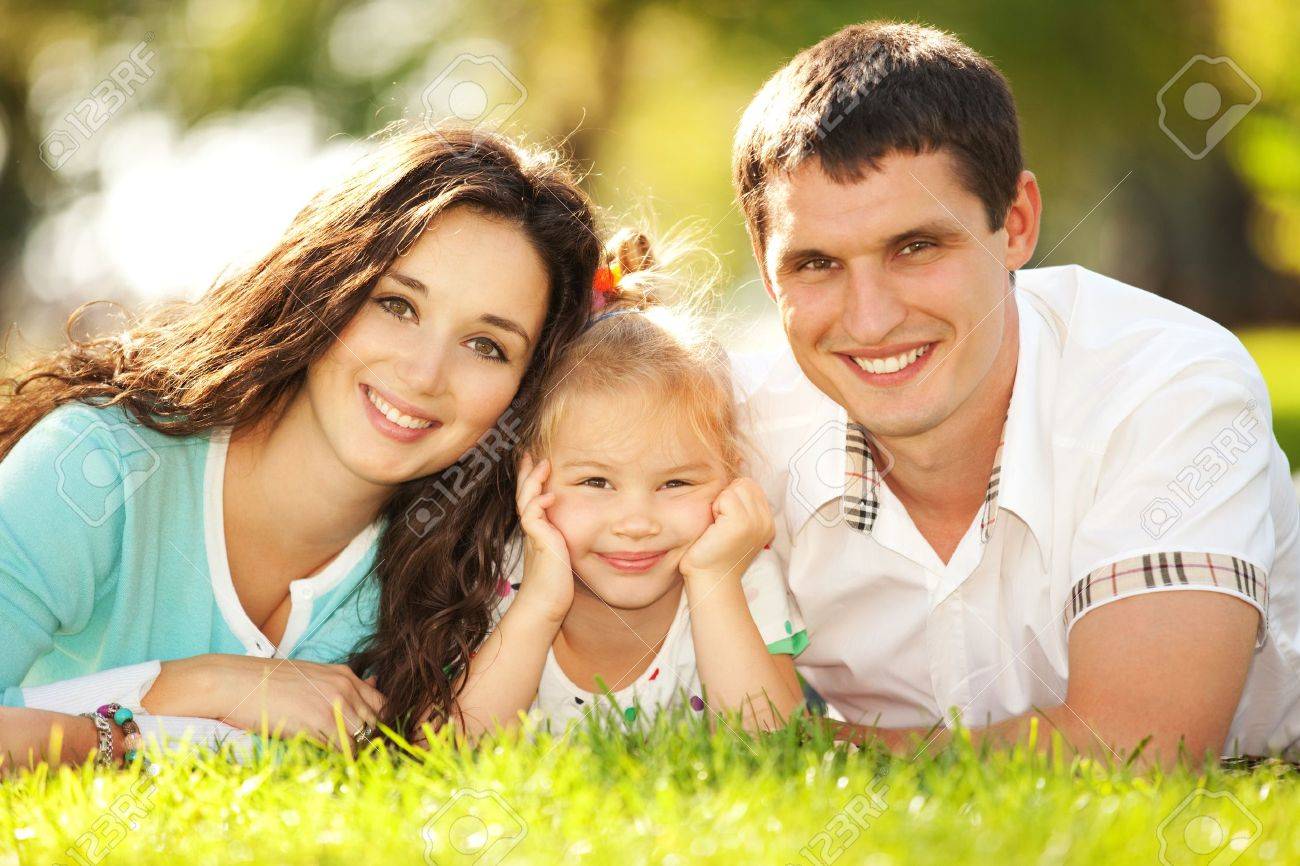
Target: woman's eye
489,349
396,307
915,247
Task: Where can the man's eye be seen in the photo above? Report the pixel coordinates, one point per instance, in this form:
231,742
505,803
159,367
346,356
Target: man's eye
915,247
817,264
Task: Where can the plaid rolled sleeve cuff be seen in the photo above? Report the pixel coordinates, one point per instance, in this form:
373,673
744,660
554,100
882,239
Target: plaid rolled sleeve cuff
1155,572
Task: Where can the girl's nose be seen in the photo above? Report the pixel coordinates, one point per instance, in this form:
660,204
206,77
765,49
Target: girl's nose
636,527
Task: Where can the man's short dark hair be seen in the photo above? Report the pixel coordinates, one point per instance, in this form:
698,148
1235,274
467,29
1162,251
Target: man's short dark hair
871,89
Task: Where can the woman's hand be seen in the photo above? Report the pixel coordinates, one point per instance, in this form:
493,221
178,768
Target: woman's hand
294,696
742,526
547,586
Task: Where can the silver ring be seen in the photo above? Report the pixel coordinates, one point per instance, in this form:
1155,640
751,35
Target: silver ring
363,735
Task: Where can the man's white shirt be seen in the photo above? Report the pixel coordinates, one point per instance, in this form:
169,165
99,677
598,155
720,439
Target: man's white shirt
1138,456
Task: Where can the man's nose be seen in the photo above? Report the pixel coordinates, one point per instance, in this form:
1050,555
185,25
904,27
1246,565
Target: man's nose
872,308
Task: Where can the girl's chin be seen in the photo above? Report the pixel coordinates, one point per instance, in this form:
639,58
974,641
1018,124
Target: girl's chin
623,593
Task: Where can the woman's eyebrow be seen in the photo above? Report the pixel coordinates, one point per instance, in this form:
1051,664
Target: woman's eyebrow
492,319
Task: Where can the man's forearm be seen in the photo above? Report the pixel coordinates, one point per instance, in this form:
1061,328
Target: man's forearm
1078,735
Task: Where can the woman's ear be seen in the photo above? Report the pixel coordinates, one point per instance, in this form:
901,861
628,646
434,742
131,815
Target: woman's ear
1023,222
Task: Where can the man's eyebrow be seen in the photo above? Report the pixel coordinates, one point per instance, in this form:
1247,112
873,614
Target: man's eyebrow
942,228
492,319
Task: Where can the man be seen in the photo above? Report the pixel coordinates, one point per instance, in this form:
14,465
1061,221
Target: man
1027,500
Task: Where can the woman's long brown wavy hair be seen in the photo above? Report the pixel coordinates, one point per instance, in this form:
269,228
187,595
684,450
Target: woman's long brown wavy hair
242,351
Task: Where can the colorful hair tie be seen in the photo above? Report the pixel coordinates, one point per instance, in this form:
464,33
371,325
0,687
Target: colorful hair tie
604,286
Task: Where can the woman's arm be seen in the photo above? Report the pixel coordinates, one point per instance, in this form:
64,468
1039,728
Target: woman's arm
29,737
294,696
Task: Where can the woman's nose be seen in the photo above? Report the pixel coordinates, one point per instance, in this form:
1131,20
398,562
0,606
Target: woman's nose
423,368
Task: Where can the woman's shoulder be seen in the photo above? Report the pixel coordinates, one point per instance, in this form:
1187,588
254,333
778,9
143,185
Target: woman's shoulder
105,427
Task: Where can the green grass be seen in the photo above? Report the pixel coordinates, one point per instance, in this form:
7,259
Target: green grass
1277,351
676,794
604,795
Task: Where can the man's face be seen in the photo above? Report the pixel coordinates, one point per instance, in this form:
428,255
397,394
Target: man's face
891,288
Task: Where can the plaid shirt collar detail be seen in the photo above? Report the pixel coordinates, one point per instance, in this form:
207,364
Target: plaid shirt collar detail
863,477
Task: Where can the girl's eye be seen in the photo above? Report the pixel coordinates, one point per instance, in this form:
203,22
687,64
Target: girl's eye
489,349
677,482
599,483
397,307
915,247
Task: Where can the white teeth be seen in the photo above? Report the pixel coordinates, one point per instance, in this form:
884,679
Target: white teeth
390,412
891,365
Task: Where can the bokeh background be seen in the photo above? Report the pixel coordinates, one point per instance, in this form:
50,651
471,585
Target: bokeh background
147,146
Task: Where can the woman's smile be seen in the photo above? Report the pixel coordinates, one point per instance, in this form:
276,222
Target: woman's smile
391,421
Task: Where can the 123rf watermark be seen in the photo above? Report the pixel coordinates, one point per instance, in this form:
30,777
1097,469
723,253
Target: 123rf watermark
847,826
105,100
1207,827
1203,101
122,816
1196,479
472,826
449,487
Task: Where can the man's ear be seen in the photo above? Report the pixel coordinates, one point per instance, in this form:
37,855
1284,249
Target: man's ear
1023,221
761,259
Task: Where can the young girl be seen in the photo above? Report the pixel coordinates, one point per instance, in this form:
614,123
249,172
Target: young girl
644,576
222,503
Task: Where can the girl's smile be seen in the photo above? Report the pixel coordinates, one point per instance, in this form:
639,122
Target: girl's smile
631,562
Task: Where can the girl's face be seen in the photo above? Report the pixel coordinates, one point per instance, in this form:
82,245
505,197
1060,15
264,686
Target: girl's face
436,353
632,493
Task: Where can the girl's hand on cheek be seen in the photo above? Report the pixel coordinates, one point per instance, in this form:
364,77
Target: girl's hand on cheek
547,584
742,526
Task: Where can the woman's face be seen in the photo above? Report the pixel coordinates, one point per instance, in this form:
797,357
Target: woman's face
436,353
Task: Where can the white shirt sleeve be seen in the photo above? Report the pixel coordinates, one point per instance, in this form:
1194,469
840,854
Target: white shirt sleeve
509,585
125,685
172,731
1183,498
774,612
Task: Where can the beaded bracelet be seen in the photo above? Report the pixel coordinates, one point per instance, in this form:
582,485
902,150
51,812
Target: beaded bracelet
125,719
104,731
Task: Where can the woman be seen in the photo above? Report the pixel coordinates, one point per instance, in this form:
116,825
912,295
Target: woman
248,478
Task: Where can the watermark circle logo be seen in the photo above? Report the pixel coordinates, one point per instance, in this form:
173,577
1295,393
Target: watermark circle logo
819,470
473,90
424,514
57,148
1207,827
1159,515
477,827
1203,101
95,478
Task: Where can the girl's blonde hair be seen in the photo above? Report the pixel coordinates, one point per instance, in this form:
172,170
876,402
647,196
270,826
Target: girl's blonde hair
651,336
